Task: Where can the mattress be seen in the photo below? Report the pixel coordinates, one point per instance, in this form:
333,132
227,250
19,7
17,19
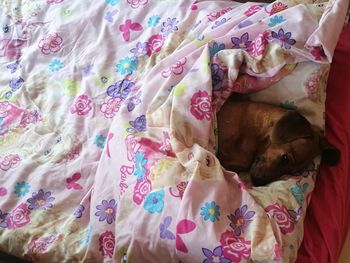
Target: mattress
108,130
328,218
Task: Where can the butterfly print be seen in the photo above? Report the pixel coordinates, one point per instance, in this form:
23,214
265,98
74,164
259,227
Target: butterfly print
127,27
165,233
71,182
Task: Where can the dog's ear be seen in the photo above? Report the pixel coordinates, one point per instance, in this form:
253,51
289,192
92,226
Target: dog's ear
330,155
291,126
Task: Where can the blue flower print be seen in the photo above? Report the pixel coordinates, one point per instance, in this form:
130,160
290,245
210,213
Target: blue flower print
87,236
140,162
55,65
140,49
120,89
210,211
22,188
153,21
290,105
112,2
40,200
276,20
3,216
169,26
220,22
284,38
215,48
298,191
107,211
216,256
126,65
138,125
100,141
1,123
154,202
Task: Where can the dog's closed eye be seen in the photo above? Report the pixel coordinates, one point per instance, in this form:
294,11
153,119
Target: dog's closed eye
285,160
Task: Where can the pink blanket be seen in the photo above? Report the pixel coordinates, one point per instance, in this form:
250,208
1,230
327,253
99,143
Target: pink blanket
108,132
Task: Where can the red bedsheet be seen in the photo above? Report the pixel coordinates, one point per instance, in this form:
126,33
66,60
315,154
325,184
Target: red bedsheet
328,218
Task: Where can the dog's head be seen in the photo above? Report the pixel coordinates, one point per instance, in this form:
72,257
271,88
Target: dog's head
290,146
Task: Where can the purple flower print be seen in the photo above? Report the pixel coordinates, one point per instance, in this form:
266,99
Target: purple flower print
217,75
241,219
169,26
220,22
140,49
133,101
243,42
79,211
40,200
3,216
284,38
138,125
121,89
215,257
106,211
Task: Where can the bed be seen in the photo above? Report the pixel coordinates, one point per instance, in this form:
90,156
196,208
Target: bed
108,131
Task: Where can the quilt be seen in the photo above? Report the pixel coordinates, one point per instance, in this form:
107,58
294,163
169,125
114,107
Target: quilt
108,126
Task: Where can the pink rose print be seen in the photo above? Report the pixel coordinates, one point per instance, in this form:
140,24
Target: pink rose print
282,217
312,84
10,161
276,7
82,105
107,243
181,187
40,245
318,53
111,107
141,189
3,191
257,47
132,146
277,253
18,217
215,15
50,44
137,3
252,10
176,68
155,44
51,2
73,154
201,105
5,107
30,117
235,248
11,48
127,27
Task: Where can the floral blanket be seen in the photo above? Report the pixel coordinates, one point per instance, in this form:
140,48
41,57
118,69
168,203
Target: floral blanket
108,132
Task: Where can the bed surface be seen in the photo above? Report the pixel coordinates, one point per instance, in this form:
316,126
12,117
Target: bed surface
328,217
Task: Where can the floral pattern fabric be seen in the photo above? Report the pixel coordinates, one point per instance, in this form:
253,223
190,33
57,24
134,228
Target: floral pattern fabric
108,127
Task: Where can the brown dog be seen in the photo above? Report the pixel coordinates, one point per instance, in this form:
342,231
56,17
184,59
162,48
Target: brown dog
268,141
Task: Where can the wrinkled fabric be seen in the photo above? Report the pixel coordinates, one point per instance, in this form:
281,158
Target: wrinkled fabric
108,131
